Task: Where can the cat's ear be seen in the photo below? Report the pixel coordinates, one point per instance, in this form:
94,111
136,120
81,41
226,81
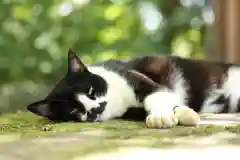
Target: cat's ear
41,108
74,63
138,78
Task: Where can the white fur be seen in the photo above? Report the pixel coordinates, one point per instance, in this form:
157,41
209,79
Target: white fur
84,117
212,95
179,85
119,96
230,88
160,109
162,102
89,103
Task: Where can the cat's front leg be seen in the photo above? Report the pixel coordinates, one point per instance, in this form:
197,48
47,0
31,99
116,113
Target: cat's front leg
160,107
166,109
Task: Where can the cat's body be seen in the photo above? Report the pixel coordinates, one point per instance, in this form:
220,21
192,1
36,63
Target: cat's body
156,84
205,86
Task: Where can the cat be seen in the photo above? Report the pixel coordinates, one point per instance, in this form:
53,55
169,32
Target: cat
171,90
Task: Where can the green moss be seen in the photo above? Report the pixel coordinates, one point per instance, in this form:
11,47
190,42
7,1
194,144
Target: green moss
233,129
116,133
25,124
202,130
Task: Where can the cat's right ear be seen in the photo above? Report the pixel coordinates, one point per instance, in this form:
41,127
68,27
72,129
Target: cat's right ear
41,108
74,63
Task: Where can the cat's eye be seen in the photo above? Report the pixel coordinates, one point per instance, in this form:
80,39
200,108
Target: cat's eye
91,93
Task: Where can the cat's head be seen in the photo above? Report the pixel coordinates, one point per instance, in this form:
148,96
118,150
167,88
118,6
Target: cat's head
80,95
77,97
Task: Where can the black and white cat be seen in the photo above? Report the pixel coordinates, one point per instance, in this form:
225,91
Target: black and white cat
164,86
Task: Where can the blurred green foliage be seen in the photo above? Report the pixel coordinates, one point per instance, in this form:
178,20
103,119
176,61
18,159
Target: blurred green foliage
35,36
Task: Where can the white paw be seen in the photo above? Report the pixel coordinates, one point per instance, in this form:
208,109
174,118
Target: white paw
187,116
161,121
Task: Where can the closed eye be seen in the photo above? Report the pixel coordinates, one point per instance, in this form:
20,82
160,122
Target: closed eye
91,93
57,101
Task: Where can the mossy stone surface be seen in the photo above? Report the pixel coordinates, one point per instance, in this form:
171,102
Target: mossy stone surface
30,133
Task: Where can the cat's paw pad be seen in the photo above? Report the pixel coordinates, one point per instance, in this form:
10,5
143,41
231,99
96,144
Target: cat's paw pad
161,121
187,116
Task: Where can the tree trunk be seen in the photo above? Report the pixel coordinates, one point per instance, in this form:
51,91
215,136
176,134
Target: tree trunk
232,36
224,34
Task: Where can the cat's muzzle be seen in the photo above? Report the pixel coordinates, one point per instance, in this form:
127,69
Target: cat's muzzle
94,114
